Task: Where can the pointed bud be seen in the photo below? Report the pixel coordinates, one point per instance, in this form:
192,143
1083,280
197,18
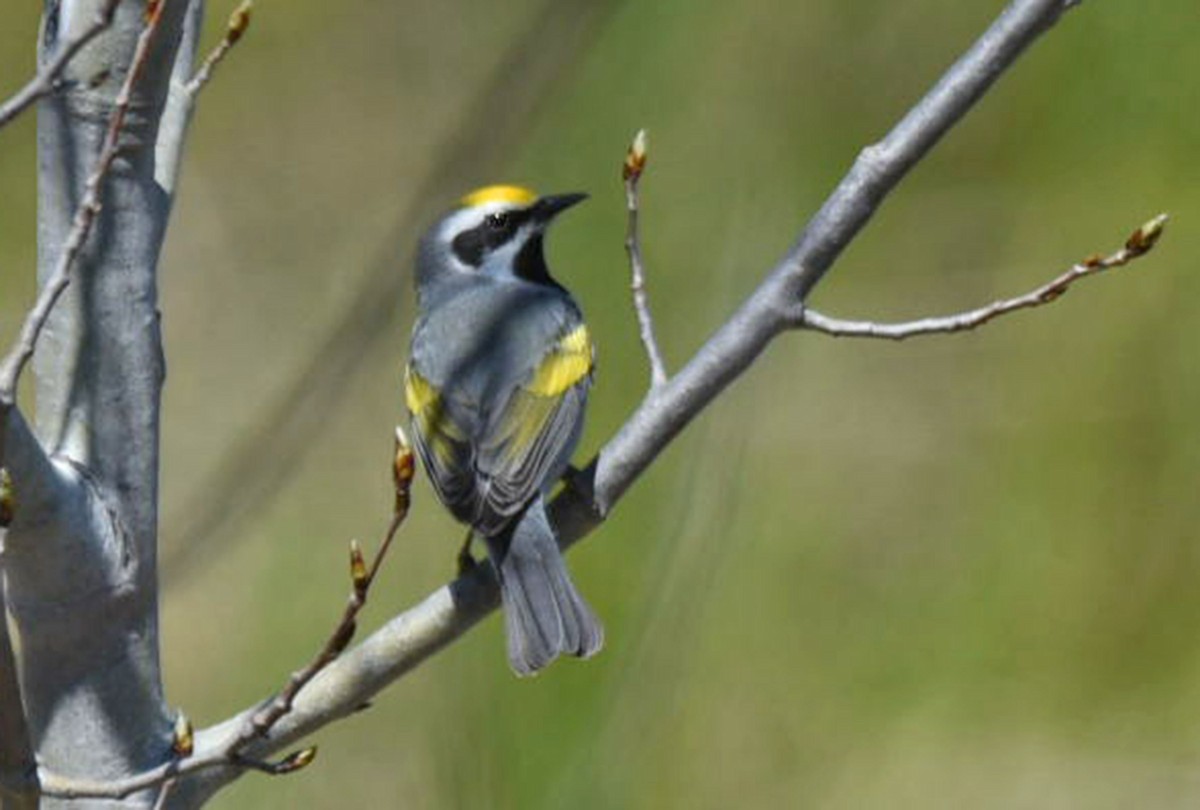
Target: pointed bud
635,158
403,470
183,739
358,568
1143,239
295,761
239,21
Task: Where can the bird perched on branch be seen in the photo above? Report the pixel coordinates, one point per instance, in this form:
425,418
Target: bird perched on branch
498,376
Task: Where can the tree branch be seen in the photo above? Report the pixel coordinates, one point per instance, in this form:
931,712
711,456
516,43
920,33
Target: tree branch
881,166
177,114
85,216
631,173
256,725
239,21
48,77
1139,244
186,85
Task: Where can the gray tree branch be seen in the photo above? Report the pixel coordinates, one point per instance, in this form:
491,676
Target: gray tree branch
186,84
1137,245
49,75
177,115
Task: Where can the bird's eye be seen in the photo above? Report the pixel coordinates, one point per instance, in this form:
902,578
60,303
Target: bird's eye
496,222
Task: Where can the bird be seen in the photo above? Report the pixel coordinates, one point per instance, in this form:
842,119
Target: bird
497,381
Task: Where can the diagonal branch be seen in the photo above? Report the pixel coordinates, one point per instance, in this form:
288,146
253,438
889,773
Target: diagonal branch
256,725
880,167
15,361
48,78
1139,244
186,84
19,355
239,21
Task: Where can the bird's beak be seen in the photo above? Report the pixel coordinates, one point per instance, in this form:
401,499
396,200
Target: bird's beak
550,206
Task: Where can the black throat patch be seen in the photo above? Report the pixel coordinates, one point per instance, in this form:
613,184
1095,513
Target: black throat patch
531,263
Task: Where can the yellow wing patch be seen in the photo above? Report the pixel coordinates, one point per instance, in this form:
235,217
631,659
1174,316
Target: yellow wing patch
513,195
425,405
419,395
566,364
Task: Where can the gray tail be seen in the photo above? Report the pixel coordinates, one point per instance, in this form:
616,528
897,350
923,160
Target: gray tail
544,616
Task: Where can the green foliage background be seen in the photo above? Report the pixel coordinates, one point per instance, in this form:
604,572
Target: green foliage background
959,571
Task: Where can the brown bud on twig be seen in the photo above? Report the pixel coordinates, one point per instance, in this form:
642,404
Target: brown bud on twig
294,761
1143,239
403,470
239,21
635,158
183,740
358,569
8,499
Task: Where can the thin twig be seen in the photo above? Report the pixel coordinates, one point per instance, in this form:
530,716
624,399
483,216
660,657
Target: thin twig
239,21
164,791
85,216
48,78
631,173
259,723
1138,244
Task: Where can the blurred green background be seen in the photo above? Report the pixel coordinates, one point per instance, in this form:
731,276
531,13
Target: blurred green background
958,571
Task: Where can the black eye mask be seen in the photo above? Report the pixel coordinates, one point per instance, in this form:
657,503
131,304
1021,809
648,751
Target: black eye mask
473,245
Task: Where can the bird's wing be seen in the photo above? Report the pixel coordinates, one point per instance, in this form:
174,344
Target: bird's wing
528,438
442,431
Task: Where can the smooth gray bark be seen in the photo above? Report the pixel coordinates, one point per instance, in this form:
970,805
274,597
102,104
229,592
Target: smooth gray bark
79,559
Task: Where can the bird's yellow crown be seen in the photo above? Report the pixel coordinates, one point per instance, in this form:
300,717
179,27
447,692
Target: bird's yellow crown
514,195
